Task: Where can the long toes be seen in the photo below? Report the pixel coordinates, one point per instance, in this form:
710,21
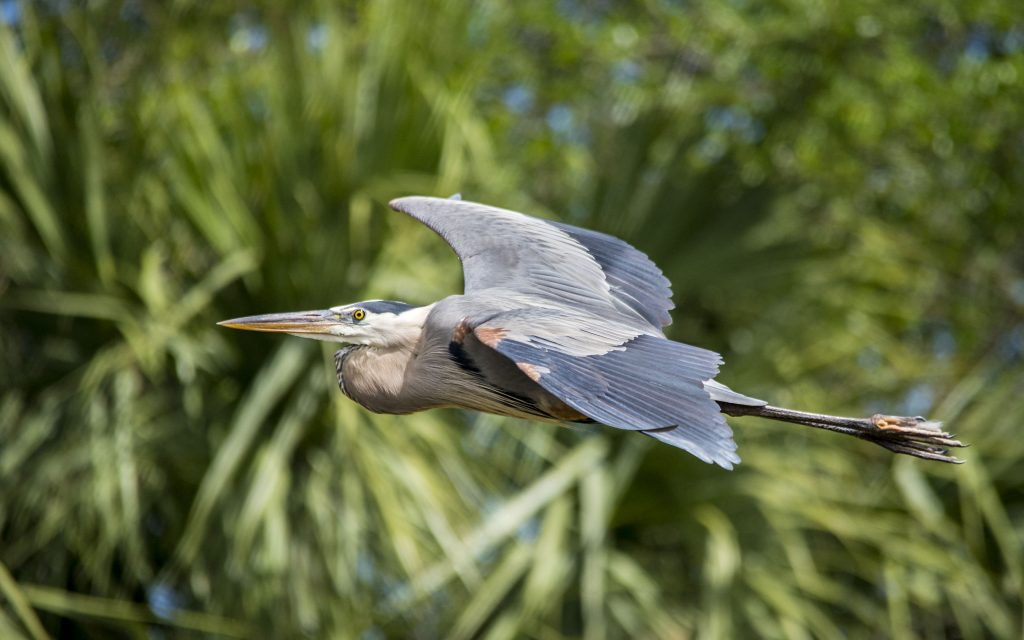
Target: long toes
916,425
893,423
915,436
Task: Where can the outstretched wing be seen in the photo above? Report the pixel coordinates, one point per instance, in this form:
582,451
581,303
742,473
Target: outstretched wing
505,249
627,380
633,277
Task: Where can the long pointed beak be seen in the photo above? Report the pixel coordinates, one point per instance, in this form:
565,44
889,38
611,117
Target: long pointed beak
313,322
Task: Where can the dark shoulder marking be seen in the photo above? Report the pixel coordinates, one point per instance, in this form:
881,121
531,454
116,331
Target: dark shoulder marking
461,357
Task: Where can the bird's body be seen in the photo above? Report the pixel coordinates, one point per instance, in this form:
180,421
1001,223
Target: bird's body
559,324
398,377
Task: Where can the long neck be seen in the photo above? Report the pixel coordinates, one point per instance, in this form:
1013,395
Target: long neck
375,374
375,377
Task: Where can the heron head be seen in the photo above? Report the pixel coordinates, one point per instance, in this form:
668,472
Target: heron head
379,323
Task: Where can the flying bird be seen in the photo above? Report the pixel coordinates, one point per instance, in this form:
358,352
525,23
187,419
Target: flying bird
558,324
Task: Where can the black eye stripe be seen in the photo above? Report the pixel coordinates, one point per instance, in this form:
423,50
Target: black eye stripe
385,306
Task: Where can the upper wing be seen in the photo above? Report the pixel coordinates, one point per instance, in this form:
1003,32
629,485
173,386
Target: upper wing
634,278
506,249
622,378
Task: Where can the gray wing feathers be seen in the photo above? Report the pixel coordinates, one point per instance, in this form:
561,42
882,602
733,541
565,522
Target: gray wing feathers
648,384
721,393
505,249
572,333
580,313
635,280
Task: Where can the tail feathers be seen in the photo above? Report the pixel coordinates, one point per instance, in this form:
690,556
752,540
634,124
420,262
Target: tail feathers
721,393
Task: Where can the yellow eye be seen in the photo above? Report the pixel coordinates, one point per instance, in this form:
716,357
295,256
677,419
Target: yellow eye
358,315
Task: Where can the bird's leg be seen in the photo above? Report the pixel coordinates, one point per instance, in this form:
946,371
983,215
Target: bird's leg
916,436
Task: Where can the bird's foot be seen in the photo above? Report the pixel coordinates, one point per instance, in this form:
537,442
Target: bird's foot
915,436
918,437
912,426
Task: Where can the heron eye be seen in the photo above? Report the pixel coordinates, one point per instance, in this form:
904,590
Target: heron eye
358,315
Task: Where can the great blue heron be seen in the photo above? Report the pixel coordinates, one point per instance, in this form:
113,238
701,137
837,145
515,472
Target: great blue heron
559,324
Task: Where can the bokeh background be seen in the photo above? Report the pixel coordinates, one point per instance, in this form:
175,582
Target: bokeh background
834,188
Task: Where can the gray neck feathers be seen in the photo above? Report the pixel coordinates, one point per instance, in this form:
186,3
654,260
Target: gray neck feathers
375,377
339,364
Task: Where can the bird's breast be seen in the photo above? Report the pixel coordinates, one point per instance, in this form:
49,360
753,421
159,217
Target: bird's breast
376,378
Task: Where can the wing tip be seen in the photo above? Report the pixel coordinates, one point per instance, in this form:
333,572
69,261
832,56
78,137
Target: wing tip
728,460
408,204
722,452
405,203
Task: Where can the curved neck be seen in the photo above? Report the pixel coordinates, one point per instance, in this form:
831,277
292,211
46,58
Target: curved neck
375,377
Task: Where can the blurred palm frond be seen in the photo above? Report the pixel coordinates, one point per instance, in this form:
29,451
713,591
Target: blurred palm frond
833,196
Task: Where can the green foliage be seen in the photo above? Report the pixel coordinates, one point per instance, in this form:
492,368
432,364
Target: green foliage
832,187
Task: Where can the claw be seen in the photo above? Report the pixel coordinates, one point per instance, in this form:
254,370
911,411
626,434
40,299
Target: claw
901,423
890,423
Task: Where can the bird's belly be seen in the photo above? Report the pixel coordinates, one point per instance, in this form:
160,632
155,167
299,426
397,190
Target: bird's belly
491,383
545,408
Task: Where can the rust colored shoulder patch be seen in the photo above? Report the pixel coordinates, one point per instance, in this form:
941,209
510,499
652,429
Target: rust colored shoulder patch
490,336
460,331
532,371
